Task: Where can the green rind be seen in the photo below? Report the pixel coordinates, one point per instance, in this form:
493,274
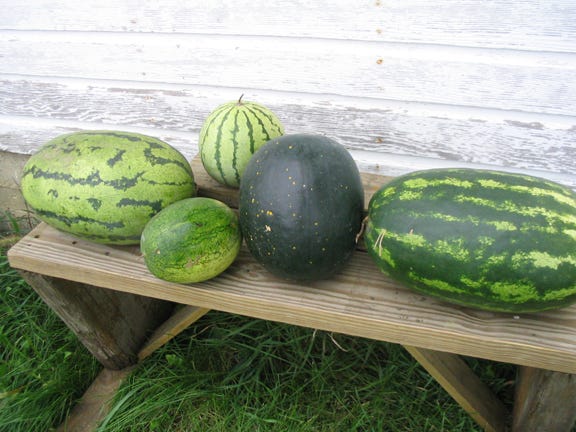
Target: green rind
191,241
300,207
230,136
105,185
486,239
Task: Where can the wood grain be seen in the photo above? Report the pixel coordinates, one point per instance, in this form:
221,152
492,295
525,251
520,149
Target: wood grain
451,134
513,24
545,401
26,137
112,325
406,85
360,301
528,81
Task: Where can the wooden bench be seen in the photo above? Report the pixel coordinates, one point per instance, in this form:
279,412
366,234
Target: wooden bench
109,299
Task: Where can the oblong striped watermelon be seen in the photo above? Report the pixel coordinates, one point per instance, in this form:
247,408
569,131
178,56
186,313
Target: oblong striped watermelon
192,240
485,239
105,185
230,136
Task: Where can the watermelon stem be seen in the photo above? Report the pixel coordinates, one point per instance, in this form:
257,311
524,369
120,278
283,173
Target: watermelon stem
378,241
240,99
362,229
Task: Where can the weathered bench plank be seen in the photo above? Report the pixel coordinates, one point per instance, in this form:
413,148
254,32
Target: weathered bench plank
545,401
360,301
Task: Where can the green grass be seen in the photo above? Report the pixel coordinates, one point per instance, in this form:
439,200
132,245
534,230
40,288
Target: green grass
230,373
225,373
43,368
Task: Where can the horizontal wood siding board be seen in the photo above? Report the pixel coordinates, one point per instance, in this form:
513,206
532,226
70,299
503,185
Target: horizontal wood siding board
496,138
27,137
533,82
530,25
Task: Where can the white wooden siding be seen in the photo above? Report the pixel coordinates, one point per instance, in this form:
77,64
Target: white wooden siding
403,84
534,25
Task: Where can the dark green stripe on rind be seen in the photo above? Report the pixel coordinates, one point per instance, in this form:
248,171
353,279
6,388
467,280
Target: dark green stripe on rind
117,158
224,135
222,117
236,147
93,179
250,131
213,122
159,160
486,239
260,114
106,235
112,134
69,221
231,134
95,203
155,206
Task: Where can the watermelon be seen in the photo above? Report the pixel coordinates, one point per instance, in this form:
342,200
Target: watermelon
192,240
301,206
230,136
105,186
485,239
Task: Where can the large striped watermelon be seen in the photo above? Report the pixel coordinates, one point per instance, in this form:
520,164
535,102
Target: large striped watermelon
105,185
485,239
230,136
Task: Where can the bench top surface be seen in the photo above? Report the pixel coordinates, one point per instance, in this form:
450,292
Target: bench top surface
359,301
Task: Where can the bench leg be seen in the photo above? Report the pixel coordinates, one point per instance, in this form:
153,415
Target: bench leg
464,386
181,319
545,401
112,325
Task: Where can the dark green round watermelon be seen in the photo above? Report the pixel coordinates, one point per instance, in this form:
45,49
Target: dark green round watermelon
485,239
192,240
105,185
301,204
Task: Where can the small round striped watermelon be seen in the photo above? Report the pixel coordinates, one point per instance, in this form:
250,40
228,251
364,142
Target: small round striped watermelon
230,136
105,185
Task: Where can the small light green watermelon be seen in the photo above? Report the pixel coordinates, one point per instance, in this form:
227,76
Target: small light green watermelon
105,186
192,240
230,136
